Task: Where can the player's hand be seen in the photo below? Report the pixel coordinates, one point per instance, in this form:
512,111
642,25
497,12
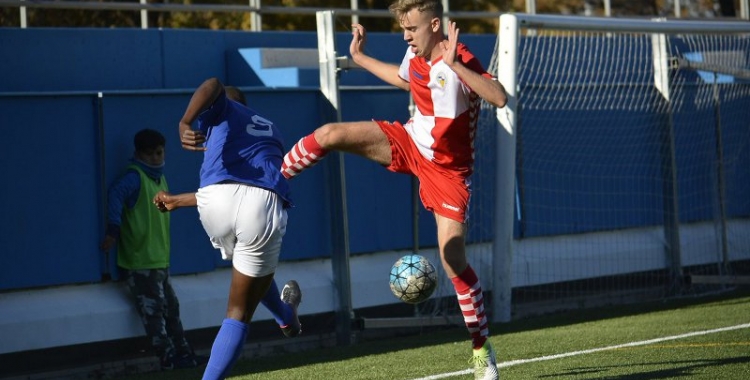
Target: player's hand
108,243
359,38
449,47
164,201
192,140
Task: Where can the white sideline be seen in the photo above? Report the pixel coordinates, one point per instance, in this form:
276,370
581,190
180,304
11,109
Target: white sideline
590,351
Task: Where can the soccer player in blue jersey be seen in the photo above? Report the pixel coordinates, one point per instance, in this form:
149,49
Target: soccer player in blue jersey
242,202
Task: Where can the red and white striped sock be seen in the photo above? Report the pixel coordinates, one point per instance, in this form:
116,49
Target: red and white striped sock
305,154
471,301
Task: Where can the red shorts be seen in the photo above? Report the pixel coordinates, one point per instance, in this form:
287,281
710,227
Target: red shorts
443,191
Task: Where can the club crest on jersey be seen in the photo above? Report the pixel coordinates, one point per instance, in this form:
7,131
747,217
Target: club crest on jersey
441,78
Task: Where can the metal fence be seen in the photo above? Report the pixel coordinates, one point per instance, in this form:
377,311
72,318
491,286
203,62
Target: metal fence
681,8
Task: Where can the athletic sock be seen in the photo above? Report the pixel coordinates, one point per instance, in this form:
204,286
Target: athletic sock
305,154
226,349
471,301
281,311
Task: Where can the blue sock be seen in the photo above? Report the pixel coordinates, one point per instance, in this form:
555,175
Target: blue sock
281,312
226,349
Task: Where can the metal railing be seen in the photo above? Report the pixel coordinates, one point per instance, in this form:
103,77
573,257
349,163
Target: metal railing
256,10
254,7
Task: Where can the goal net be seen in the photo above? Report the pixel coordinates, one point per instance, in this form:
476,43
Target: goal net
629,149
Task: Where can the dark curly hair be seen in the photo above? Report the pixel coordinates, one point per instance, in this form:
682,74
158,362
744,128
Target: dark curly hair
148,139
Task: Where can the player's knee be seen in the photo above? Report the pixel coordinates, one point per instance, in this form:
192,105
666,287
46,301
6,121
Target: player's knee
237,312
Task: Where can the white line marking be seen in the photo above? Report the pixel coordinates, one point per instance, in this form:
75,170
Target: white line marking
590,351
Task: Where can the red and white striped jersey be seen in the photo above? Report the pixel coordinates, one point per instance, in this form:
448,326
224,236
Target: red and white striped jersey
444,123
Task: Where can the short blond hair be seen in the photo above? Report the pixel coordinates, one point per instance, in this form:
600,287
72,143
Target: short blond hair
402,7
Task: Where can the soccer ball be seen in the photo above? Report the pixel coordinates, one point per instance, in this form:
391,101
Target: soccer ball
413,279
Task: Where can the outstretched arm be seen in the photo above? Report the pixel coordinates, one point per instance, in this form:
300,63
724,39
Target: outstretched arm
165,201
385,71
203,97
123,193
488,89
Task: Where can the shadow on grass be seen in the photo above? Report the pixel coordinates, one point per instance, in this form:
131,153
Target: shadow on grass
457,334
686,368
373,343
572,317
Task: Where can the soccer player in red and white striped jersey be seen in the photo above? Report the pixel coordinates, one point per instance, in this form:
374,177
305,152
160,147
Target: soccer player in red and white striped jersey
436,144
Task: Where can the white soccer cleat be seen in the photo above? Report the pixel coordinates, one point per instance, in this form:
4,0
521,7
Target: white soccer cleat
485,364
292,295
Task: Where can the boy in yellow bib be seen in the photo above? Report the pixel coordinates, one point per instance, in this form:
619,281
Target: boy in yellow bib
141,234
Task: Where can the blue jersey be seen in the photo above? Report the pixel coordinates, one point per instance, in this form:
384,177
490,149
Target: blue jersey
241,146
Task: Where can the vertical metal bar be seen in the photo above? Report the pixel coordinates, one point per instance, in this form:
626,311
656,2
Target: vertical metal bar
327,57
144,16
340,224
256,22
670,195
531,7
414,194
355,7
677,9
106,273
744,11
22,14
446,20
608,8
720,181
502,248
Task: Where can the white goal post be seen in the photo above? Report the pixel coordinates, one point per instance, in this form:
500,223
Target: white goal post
655,90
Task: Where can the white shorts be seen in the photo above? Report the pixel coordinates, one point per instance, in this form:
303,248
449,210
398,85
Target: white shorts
246,223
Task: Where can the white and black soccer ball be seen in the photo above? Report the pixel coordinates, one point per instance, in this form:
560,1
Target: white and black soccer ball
413,279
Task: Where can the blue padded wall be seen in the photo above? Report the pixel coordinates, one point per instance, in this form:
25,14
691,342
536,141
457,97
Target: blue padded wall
57,163
50,193
59,59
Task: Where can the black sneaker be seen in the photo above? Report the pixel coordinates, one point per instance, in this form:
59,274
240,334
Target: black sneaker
167,364
189,360
292,295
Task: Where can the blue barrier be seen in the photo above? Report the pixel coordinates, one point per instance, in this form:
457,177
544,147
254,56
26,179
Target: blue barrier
62,150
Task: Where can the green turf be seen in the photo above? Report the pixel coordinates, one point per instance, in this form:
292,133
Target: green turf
722,355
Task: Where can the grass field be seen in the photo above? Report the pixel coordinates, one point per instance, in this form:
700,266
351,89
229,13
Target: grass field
698,338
